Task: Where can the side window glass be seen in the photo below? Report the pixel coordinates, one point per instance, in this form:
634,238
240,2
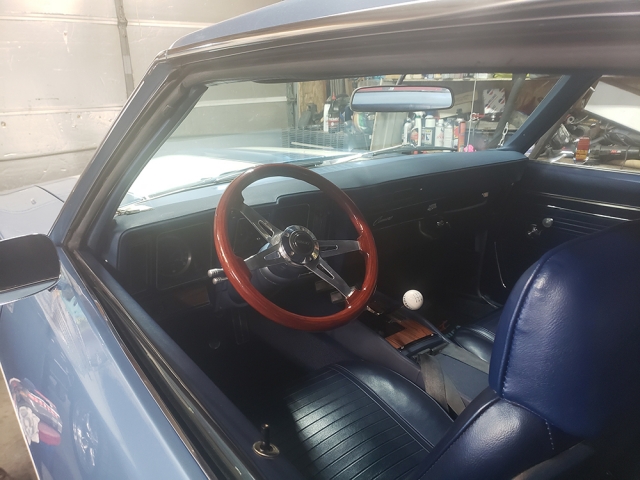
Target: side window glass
602,130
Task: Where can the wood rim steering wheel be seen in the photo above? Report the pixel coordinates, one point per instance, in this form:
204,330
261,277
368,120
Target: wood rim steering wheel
295,246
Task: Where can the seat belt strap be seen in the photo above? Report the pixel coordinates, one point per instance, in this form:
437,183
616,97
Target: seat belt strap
454,400
438,386
454,351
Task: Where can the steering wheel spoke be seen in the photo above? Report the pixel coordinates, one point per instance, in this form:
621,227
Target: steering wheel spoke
265,258
295,247
323,270
265,228
331,248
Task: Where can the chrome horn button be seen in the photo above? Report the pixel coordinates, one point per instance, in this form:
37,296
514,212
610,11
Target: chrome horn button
300,245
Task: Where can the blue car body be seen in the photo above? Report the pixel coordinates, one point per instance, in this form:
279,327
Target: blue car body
61,343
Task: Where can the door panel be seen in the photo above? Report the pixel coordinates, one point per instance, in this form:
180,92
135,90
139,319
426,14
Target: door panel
553,204
95,416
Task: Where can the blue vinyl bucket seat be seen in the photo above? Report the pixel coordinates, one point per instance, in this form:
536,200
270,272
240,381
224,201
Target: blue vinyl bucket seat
565,368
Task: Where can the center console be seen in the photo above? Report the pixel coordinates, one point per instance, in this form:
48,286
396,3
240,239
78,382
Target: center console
405,330
391,335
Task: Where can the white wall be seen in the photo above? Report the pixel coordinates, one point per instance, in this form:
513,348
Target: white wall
63,78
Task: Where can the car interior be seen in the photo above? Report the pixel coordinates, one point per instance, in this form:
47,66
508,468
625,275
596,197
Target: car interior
463,229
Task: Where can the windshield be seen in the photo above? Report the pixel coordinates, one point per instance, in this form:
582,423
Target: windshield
235,126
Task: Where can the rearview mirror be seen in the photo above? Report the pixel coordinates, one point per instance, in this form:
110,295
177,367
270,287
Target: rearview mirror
28,265
400,98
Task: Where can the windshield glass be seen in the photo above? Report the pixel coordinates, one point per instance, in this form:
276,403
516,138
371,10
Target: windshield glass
235,126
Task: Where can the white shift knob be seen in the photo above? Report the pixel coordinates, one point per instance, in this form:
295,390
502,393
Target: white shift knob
412,299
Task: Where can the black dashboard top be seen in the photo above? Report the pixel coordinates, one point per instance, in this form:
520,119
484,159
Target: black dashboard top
389,191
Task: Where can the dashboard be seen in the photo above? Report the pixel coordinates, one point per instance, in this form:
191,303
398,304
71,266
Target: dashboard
164,265
161,256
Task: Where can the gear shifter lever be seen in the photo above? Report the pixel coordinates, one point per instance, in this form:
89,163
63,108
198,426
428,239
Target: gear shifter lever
413,300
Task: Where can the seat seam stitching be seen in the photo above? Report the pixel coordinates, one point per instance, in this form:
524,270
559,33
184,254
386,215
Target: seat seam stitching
483,332
520,307
462,433
385,407
553,448
488,332
534,274
546,422
382,404
412,384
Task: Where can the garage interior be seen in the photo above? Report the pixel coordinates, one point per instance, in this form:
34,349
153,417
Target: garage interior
68,67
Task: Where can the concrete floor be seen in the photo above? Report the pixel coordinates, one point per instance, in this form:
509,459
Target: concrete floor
14,454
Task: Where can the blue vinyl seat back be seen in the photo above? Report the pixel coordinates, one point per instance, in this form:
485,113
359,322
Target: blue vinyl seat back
568,343
565,367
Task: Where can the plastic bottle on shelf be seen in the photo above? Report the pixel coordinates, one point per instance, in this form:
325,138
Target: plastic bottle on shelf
462,134
406,131
429,130
417,124
325,117
439,138
582,150
334,114
448,135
